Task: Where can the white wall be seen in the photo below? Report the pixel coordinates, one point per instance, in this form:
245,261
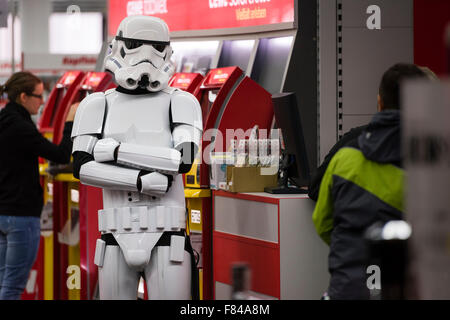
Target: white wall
34,15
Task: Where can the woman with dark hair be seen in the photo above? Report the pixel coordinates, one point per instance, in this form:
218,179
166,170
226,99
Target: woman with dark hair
21,196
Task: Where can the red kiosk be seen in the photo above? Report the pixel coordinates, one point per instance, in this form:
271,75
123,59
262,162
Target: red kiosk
229,100
189,82
75,222
90,202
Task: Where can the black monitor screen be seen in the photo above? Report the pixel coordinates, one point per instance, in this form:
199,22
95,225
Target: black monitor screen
288,119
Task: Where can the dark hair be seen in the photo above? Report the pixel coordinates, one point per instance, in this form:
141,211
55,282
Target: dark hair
19,82
390,83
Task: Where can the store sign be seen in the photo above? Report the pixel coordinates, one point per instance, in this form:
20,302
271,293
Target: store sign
6,70
58,62
75,61
181,15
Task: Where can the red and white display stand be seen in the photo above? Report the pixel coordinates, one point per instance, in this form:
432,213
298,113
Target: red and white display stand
275,236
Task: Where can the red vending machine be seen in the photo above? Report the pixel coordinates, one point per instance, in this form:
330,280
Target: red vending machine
229,101
212,93
189,82
75,222
196,199
40,282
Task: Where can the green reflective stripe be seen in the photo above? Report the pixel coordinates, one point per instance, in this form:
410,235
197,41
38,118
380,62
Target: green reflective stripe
323,212
385,181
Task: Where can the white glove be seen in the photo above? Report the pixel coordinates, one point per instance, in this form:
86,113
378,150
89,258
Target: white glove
104,150
154,184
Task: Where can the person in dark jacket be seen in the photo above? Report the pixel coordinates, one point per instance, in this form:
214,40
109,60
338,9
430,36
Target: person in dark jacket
349,139
21,195
363,184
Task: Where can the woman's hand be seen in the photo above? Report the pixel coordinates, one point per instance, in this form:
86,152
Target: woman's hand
72,111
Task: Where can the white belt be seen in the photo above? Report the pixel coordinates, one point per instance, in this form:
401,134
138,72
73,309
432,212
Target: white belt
141,219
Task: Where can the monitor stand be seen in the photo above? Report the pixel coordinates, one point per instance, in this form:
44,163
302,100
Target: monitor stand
283,187
285,190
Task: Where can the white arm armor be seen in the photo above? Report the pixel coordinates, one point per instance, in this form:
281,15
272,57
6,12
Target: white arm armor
154,184
118,178
85,143
88,124
187,120
164,160
104,150
109,176
88,121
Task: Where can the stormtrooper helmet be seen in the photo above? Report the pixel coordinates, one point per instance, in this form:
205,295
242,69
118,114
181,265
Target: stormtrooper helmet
140,54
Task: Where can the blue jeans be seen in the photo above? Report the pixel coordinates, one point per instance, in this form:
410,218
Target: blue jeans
19,244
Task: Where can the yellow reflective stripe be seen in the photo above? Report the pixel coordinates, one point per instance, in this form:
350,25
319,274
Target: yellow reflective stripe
385,181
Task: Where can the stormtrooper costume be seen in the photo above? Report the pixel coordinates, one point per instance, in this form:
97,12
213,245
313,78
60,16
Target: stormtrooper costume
134,142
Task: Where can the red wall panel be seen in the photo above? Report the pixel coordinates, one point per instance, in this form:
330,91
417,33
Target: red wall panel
430,20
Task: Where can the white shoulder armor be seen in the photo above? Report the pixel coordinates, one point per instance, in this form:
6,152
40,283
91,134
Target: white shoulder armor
170,90
109,91
186,109
90,115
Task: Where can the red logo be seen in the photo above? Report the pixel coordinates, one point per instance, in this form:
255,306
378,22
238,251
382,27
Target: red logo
80,60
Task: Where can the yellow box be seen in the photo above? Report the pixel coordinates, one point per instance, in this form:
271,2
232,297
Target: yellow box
194,205
249,179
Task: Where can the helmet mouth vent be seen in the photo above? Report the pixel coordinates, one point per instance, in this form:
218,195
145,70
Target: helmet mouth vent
144,82
131,82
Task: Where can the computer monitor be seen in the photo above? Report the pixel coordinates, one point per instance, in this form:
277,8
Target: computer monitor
294,166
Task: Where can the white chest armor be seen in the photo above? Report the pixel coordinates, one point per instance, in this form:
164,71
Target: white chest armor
143,120
139,119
